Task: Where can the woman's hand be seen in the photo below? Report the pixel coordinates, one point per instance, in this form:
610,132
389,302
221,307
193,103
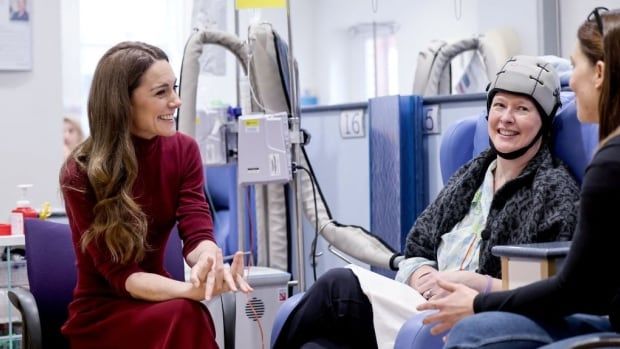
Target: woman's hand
217,277
208,269
457,304
236,273
426,284
422,280
431,290
468,278
209,277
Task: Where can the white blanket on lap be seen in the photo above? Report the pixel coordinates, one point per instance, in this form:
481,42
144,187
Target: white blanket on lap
393,303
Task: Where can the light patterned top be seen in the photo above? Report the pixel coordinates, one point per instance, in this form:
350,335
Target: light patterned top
460,248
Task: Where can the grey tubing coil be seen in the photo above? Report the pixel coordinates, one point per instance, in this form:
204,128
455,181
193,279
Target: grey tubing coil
190,70
446,54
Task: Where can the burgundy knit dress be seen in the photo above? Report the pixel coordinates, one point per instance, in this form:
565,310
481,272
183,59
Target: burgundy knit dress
169,189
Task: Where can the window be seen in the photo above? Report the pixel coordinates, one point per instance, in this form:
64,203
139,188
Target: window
386,66
374,72
104,23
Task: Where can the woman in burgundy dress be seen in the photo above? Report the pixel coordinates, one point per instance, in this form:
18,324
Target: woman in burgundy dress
125,188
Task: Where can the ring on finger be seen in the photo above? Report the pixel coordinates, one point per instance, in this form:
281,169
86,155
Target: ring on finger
428,294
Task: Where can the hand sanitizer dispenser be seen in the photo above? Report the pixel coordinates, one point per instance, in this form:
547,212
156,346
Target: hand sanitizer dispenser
22,211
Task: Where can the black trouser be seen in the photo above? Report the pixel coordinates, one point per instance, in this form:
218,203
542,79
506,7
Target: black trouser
333,313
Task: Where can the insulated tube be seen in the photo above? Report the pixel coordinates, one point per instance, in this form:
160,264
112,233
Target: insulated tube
190,70
444,57
352,240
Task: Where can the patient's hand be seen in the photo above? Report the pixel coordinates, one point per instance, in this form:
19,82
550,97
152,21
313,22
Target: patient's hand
420,280
429,288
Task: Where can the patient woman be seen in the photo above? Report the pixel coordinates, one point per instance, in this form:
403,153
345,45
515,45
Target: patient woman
125,187
541,313
514,192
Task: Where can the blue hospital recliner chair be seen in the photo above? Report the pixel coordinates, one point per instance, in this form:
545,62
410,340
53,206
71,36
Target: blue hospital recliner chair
50,261
574,143
222,189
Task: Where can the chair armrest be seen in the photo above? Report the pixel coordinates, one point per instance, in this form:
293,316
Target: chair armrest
283,313
25,303
554,249
603,340
527,263
415,335
587,341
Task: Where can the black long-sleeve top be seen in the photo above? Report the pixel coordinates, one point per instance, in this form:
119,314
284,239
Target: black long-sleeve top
589,281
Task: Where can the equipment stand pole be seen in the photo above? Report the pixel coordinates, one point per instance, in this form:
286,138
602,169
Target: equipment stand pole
296,138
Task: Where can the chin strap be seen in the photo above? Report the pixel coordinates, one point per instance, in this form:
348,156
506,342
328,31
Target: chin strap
546,126
519,152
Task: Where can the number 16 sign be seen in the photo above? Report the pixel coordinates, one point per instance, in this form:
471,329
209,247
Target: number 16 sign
352,124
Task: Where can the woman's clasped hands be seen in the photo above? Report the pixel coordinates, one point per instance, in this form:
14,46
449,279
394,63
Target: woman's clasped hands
426,281
212,276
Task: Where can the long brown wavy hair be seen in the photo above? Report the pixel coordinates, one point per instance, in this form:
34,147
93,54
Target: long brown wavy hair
605,47
108,156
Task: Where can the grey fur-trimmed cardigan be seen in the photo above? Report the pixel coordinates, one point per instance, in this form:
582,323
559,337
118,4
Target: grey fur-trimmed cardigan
540,205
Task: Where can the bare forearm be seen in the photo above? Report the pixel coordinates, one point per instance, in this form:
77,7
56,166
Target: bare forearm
154,287
485,283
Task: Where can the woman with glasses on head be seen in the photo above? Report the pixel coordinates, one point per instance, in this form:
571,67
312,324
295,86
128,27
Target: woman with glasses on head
554,309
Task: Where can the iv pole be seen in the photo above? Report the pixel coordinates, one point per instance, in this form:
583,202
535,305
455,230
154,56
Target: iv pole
296,141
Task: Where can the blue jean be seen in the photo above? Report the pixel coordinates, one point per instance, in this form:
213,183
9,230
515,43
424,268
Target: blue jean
512,331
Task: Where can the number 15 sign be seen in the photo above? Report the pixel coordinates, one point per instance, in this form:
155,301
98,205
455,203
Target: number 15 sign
352,124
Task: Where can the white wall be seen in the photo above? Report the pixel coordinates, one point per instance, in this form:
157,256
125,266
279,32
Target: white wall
419,22
70,40
31,141
573,14
329,58
325,51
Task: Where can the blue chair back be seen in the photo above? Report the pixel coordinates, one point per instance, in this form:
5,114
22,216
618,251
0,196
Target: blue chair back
222,187
173,256
573,142
50,261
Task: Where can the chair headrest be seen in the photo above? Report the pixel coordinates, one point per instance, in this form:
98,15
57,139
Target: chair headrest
573,142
